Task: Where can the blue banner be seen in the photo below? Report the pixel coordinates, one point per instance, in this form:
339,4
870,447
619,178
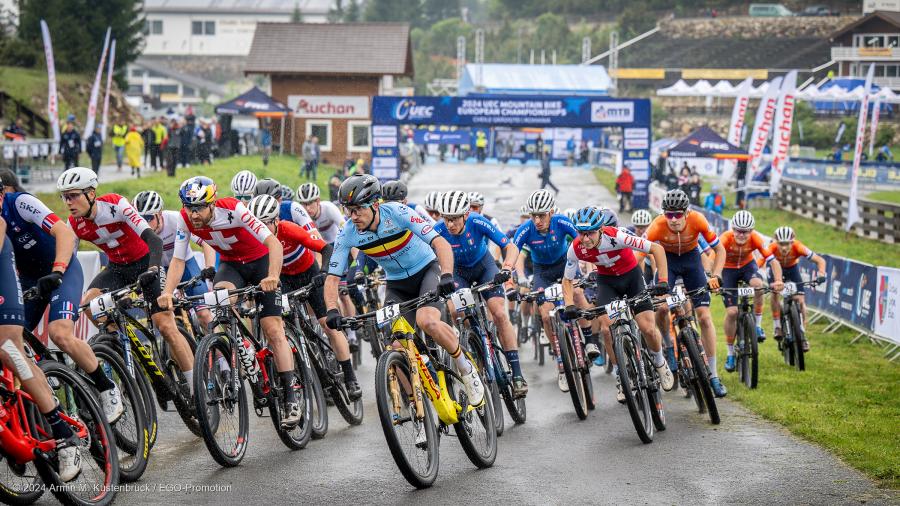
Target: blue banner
428,136
840,172
848,294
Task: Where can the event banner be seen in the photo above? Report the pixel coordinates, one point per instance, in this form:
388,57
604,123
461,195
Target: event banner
109,73
853,207
887,305
52,104
762,126
840,172
849,293
95,90
781,129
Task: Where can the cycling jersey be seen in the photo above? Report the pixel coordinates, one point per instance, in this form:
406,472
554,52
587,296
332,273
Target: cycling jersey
116,229
612,257
702,245
547,248
679,243
330,221
167,235
798,250
294,212
298,247
11,308
28,224
233,232
421,210
470,246
739,255
401,244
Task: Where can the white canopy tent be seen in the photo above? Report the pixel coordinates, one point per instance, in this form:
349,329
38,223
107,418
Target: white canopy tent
812,93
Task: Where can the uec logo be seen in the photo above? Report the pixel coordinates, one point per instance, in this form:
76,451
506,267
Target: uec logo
408,110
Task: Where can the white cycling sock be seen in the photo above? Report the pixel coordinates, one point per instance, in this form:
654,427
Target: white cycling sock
351,335
463,364
713,373
730,349
758,320
189,377
658,358
776,323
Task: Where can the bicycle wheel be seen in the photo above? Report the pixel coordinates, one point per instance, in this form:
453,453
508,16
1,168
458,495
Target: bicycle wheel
570,366
317,395
220,401
177,384
787,342
20,483
400,423
654,392
799,336
702,374
351,411
629,378
473,343
96,484
750,351
476,428
130,429
297,437
687,370
588,386
741,355
515,407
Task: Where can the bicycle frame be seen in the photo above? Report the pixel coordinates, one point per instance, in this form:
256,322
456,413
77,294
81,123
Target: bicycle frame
477,319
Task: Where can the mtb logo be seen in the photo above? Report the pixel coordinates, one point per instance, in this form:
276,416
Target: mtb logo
143,351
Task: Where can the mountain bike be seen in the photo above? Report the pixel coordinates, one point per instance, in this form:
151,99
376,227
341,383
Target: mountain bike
693,371
369,332
534,324
746,344
570,349
480,336
224,361
415,386
28,447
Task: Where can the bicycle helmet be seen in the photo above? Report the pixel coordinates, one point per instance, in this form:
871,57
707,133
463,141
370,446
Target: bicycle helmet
476,199
570,213
454,203
77,178
541,201
287,194
243,183
524,211
359,189
148,203
589,218
265,207
431,201
641,218
675,200
197,190
267,186
742,220
610,218
394,191
308,192
784,234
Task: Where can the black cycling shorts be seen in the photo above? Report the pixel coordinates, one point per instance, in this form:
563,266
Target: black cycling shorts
420,283
291,282
115,276
251,273
631,284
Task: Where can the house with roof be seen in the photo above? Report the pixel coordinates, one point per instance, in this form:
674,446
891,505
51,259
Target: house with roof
871,39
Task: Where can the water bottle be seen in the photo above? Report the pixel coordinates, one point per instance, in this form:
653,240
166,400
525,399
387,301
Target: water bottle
248,360
427,361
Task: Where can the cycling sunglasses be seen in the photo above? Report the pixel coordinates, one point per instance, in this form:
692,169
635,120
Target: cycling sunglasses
196,208
352,210
674,215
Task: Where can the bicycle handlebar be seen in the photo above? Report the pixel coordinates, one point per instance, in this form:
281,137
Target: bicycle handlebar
355,322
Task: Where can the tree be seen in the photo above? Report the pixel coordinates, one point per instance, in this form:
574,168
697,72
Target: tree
436,10
394,10
353,13
297,16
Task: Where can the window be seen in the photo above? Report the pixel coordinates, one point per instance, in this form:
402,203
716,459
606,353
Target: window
321,128
135,89
893,41
153,27
879,70
873,41
891,71
187,91
137,72
210,27
358,136
203,27
153,73
159,89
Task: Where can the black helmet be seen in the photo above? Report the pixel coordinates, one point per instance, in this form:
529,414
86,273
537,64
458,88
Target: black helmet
268,186
393,191
675,200
359,189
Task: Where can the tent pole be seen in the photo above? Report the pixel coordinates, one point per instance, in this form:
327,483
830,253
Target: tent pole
293,127
281,143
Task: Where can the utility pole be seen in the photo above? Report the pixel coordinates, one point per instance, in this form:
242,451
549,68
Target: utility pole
479,55
542,56
460,56
585,49
519,49
613,61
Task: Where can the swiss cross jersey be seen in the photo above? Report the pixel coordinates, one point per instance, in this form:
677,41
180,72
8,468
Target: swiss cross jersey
682,242
167,234
28,223
401,245
294,212
470,246
298,247
329,221
614,255
116,229
547,248
797,251
739,255
233,232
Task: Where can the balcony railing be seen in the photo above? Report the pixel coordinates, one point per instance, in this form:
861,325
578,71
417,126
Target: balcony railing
865,53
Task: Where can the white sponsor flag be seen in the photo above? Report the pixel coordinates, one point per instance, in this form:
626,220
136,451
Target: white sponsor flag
876,110
52,105
739,111
95,90
853,210
109,73
781,129
763,125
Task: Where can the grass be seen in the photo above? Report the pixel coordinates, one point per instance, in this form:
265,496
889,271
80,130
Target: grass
889,196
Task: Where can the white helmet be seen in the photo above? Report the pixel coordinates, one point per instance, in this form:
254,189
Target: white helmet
243,183
308,192
476,199
148,203
76,178
264,207
742,220
784,234
541,201
431,201
454,203
525,211
570,213
641,218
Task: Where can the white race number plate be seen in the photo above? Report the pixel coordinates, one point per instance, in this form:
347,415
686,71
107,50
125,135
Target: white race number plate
462,299
553,292
746,291
102,304
387,313
217,298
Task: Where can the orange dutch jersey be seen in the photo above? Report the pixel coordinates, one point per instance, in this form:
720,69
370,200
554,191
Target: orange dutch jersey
798,250
685,241
739,255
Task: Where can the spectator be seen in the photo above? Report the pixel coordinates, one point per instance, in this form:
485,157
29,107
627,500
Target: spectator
134,148
15,131
156,147
118,141
693,189
570,151
173,145
147,136
265,141
186,149
94,148
671,180
684,176
481,142
334,183
70,144
715,201
309,159
539,148
203,144
836,154
625,188
884,154
585,152
545,174
740,176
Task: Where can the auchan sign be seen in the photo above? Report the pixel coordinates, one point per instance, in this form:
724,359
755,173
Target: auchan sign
324,106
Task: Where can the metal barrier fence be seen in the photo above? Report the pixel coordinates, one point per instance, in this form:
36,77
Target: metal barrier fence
29,158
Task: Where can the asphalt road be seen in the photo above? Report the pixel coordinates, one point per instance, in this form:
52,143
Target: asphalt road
551,459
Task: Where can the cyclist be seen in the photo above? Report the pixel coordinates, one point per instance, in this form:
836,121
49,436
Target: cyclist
788,251
476,204
396,191
299,269
287,194
44,250
431,205
468,233
17,360
617,275
416,260
289,210
134,250
546,235
677,231
740,242
149,205
249,255
242,185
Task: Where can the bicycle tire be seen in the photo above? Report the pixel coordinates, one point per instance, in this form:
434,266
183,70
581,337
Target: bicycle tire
703,377
134,443
798,337
319,402
476,350
687,370
751,351
787,343
100,452
207,378
397,362
635,397
297,437
588,385
741,349
175,378
654,393
21,484
570,367
470,421
515,407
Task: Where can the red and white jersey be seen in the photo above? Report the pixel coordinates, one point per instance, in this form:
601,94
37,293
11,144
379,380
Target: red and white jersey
614,255
233,232
116,229
298,245
167,233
